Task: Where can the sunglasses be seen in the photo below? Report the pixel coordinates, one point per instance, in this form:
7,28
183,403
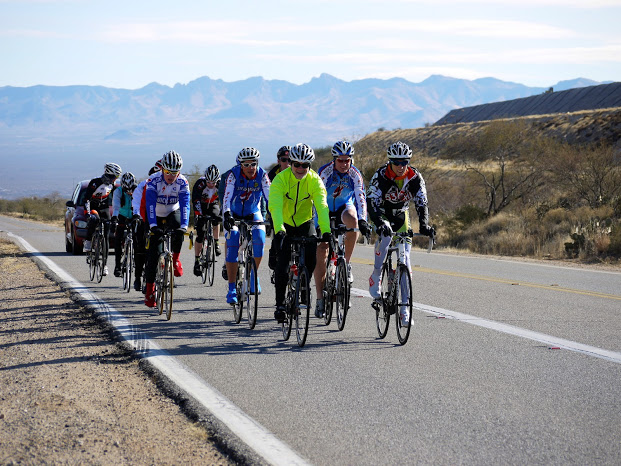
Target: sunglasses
400,163
249,164
284,159
347,160
302,165
169,172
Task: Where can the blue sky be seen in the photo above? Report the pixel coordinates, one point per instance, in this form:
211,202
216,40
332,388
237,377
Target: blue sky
129,44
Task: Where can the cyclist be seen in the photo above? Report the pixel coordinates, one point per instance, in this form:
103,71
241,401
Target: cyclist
140,216
167,200
390,190
283,163
246,185
348,205
98,203
121,215
293,194
205,202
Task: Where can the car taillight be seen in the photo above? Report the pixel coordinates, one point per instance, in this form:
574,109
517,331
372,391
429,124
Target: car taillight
80,224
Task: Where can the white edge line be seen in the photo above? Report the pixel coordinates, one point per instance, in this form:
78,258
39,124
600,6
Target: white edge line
255,436
552,341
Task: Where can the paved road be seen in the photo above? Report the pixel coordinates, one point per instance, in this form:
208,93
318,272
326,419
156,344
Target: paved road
473,387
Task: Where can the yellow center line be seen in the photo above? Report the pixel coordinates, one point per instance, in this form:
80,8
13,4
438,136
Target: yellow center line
503,281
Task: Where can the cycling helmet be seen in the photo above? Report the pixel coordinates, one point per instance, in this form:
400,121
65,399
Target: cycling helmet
212,173
128,181
342,148
302,153
172,161
112,169
248,153
399,150
284,151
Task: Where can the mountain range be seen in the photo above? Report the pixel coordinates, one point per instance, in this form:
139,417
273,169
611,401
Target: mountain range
55,136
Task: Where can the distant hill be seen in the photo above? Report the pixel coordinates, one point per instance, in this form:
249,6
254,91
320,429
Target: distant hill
54,136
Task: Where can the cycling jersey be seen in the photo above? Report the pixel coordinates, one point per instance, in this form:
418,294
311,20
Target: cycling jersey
291,200
98,194
344,189
162,198
203,196
389,197
274,171
242,196
121,203
138,207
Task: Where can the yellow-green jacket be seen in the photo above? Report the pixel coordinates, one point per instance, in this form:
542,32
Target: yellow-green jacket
291,200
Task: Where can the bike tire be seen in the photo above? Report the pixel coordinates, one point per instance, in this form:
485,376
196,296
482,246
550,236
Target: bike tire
341,293
124,264
211,261
92,264
238,309
289,302
203,261
302,306
160,281
99,259
168,289
403,299
130,264
382,313
328,294
252,298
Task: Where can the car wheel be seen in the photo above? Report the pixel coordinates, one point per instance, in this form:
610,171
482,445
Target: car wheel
75,248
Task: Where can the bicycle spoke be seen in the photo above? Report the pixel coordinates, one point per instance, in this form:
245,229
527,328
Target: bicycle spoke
382,308
252,292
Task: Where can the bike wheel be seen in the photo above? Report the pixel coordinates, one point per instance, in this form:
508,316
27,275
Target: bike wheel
168,288
211,261
92,264
160,281
238,308
302,306
99,258
203,260
124,265
382,313
328,294
289,304
341,293
130,264
403,298
252,297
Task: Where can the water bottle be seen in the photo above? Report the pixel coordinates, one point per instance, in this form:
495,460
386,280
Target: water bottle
294,269
333,267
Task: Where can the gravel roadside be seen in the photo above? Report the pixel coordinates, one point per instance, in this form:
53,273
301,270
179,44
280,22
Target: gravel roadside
70,395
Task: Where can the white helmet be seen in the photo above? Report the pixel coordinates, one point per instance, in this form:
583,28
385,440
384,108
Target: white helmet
128,181
399,150
212,173
112,169
342,148
172,161
248,153
302,153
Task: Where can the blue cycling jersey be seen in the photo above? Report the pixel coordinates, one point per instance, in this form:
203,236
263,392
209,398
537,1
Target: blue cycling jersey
344,189
242,196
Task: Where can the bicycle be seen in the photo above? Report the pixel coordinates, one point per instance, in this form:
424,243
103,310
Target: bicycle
247,280
98,256
165,278
396,288
207,257
298,293
337,288
127,262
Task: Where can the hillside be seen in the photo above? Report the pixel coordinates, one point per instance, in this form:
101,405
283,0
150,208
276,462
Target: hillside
584,127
